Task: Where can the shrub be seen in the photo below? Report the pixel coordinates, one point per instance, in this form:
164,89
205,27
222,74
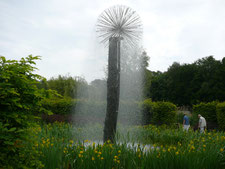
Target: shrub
180,117
220,109
164,113
147,110
20,101
208,111
59,105
68,86
158,112
91,107
65,106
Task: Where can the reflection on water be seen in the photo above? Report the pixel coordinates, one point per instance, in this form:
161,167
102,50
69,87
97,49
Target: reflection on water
129,145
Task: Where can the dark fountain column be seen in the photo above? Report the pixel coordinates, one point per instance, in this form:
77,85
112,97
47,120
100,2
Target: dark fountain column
113,89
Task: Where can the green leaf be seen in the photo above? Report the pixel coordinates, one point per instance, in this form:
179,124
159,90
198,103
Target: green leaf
8,143
12,129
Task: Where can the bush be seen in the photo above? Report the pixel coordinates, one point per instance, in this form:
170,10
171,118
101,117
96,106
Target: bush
66,106
68,86
147,110
91,107
208,111
59,105
20,101
164,113
180,117
158,112
220,109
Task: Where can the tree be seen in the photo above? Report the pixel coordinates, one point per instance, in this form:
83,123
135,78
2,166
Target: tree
147,74
187,84
20,102
135,77
68,86
97,90
209,80
179,83
158,88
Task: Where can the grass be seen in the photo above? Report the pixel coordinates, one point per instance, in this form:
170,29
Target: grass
62,146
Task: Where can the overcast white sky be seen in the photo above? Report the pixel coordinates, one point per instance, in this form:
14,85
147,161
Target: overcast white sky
63,33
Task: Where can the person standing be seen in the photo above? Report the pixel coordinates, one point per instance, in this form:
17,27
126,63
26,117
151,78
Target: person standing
201,123
186,122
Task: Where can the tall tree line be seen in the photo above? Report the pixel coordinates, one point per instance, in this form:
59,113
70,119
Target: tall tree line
181,84
187,84
67,86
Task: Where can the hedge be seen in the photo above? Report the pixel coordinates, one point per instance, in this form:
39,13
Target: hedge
220,110
207,110
60,106
158,112
147,110
164,113
130,112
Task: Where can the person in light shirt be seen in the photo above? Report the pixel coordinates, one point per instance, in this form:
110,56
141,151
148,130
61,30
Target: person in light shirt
201,123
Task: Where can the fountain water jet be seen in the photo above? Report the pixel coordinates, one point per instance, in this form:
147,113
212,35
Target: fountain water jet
115,24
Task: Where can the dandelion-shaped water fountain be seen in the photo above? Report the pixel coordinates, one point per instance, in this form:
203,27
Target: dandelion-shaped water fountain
116,24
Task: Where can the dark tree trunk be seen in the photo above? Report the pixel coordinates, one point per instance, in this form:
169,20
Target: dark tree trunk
113,87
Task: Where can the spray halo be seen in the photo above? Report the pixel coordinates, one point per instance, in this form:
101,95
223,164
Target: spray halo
119,21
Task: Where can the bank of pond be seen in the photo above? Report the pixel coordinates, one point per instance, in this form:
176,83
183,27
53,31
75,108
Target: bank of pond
65,146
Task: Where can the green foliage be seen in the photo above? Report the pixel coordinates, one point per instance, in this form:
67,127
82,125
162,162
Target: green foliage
207,110
158,112
97,90
147,77
68,86
19,102
59,105
158,89
179,83
180,117
59,147
220,109
164,113
65,106
147,110
153,112
135,78
187,84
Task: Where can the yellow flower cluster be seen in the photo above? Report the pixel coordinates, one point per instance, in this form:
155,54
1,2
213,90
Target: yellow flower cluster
45,143
95,153
65,150
116,159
